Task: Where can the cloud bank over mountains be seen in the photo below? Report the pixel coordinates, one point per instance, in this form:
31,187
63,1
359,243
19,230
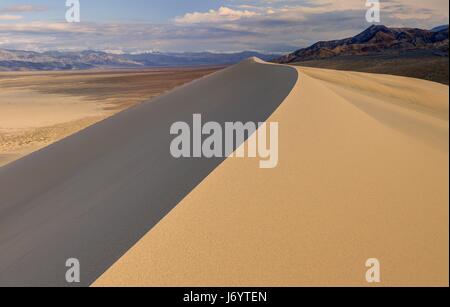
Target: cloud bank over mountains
233,25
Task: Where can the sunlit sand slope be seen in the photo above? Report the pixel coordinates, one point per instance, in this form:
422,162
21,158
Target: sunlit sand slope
363,173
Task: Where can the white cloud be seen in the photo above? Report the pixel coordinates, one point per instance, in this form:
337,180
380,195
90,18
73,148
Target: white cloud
263,25
22,8
38,27
212,16
10,17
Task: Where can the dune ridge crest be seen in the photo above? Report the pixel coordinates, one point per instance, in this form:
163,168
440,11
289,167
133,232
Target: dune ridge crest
94,194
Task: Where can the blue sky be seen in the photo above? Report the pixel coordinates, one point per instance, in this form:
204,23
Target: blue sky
200,25
156,11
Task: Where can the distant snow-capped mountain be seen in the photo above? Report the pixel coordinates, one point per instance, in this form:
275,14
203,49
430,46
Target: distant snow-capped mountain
12,60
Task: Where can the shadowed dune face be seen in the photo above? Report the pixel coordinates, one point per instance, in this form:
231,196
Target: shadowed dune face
93,195
39,108
363,173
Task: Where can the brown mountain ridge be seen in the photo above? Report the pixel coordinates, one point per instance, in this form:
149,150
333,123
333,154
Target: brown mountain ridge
408,52
376,39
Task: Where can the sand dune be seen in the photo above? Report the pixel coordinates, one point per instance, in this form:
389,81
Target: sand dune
93,195
363,173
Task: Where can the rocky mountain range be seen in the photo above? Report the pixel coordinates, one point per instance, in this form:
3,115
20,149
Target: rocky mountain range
377,39
14,60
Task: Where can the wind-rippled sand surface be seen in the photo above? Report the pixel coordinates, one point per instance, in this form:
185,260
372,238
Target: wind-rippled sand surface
39,108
